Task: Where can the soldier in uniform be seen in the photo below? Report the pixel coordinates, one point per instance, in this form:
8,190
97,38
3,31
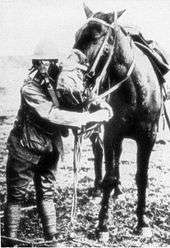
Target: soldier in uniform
35,142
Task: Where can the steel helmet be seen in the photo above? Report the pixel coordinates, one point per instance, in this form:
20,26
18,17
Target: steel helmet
46,50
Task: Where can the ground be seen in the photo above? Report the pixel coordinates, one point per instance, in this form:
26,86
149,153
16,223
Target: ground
122,218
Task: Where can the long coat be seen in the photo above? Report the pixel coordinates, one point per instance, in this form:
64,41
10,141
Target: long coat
34,132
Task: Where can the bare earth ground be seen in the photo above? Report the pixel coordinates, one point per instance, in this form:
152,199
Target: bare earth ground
122,217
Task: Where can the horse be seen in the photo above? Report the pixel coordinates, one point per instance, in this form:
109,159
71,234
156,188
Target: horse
131,87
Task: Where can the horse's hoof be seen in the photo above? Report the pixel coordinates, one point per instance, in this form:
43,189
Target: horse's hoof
141,228
144,232
104,237
102,234
137,230
147,232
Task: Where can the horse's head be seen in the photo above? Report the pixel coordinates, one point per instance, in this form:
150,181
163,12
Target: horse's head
106,44
92,35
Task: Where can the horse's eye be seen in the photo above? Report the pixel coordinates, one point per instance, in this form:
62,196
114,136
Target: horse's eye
96,38
95,41
111,39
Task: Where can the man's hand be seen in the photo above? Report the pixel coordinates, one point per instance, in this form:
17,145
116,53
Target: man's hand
102,115
105,106
101,108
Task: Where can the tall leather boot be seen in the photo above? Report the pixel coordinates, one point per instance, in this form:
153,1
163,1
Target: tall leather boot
12,215
47,214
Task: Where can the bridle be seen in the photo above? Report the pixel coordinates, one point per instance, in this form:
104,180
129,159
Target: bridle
92,69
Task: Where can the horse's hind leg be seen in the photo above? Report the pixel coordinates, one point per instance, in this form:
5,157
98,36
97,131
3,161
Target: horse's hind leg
98,158
145,146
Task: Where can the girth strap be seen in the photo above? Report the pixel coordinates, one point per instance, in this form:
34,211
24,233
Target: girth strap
51,92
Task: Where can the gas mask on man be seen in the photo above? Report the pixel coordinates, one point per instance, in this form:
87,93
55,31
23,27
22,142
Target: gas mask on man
48,69
45,59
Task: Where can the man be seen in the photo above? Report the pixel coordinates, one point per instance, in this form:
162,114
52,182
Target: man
35,142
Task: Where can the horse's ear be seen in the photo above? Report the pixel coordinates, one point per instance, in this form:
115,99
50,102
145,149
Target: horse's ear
115,15
119,13
88,12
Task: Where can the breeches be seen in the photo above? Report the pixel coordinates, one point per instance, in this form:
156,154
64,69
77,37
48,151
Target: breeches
20,173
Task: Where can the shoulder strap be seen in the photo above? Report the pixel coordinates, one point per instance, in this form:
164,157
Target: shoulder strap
52,92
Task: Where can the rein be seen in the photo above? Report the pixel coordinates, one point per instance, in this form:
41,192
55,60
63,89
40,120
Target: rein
117,86
100,78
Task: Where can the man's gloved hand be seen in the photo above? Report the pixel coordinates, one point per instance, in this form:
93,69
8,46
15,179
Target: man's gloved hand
102,112
101,115
103,105
99,107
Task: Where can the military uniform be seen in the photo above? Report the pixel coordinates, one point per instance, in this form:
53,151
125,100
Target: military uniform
34,146
35,142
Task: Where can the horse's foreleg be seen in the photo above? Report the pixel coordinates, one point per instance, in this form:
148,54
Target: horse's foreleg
108,184
143,155
98,158
113,149
103,214
117,148
111,179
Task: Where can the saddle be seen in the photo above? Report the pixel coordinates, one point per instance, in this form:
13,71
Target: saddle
152,51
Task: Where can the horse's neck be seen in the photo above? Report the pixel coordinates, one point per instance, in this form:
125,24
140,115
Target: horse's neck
123,55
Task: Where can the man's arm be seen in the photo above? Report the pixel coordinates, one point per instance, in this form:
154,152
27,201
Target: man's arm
46,109
35,98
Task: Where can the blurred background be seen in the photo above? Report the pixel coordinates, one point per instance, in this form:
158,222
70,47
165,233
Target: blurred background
24,22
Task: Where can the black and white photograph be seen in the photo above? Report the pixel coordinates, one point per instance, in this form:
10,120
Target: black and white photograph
85,123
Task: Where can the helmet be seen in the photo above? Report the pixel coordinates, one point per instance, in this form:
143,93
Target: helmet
46,50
